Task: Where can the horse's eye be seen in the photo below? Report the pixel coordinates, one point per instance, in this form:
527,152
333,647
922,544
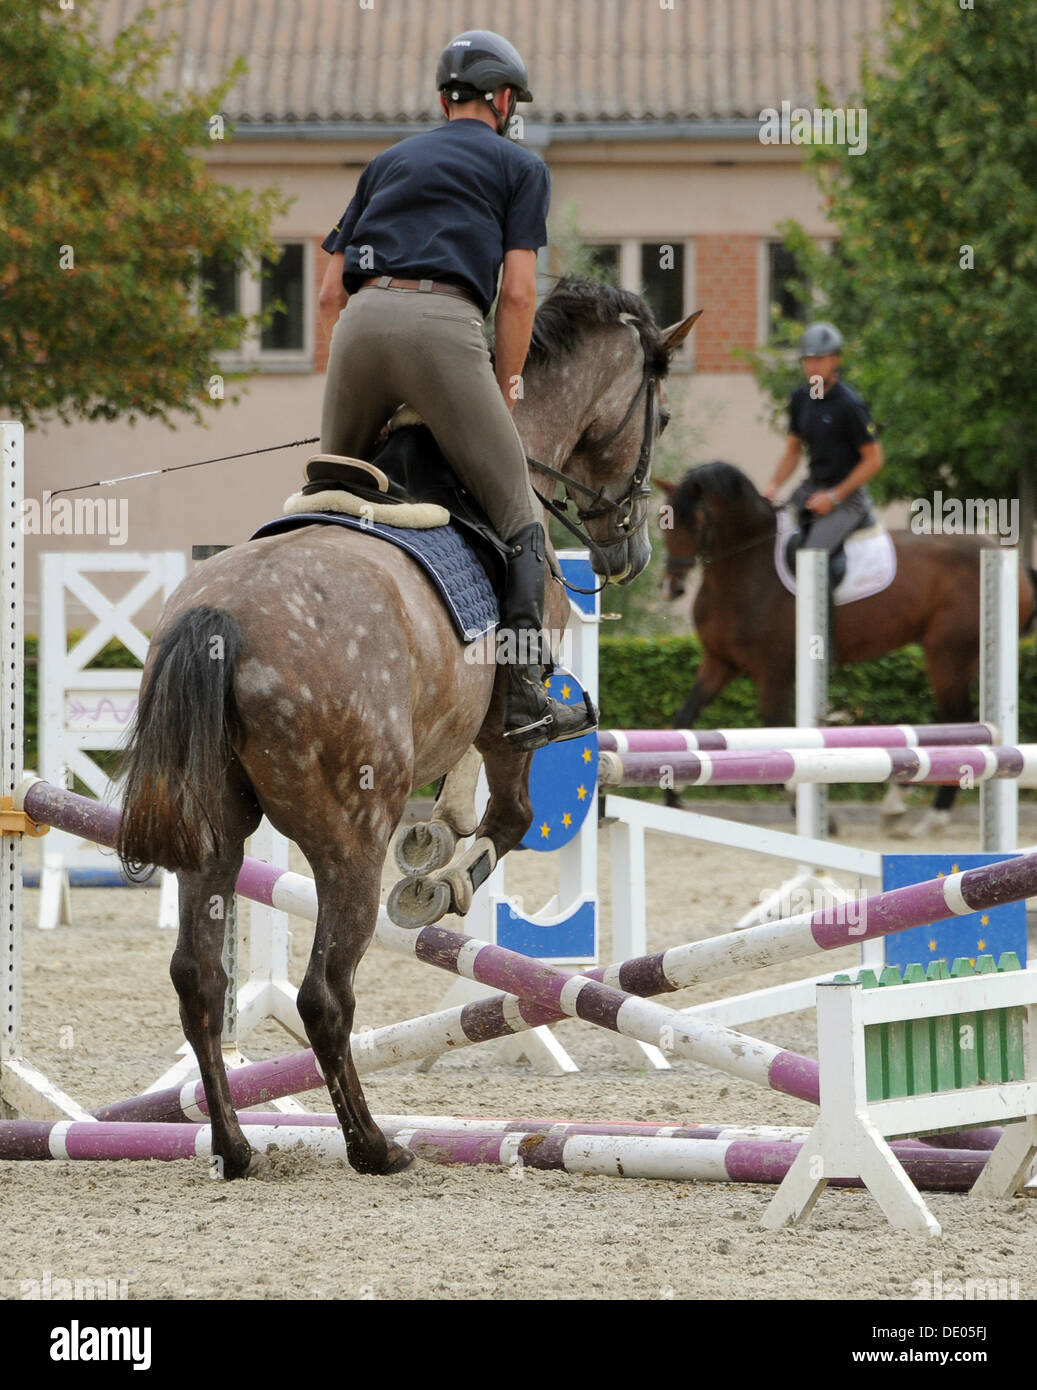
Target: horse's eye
664,420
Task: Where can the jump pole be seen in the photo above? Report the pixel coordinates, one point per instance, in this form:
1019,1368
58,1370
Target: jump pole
838,736
697,1159
999,688
799,767
548,994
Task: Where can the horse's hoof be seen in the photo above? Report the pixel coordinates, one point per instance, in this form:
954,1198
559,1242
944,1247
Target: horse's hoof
418,902
259,1166
422,848
932,823
398,1159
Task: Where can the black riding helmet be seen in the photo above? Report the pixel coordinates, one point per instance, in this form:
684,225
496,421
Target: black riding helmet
479,62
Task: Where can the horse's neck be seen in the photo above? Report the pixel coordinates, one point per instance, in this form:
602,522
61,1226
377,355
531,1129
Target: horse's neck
735,530
562,399
549,417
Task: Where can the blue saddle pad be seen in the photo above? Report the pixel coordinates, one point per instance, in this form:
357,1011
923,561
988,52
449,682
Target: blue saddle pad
442,551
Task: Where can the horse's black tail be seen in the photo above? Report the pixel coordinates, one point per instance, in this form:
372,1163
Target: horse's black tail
180,745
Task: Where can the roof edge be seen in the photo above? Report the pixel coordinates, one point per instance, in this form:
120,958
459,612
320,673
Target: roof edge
537,134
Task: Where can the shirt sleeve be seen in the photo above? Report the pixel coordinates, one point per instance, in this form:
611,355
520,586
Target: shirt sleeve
526,226
794,414
860,427
342,233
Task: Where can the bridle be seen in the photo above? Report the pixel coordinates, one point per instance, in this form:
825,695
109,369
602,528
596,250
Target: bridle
703,557
622,507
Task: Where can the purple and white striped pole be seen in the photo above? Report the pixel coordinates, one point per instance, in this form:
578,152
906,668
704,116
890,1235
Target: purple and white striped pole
775,766
973,890
700,1159
851,736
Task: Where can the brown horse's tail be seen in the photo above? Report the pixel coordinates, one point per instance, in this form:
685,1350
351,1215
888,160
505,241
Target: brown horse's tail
180,745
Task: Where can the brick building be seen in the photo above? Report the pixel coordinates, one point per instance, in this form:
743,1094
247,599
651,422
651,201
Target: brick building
648,115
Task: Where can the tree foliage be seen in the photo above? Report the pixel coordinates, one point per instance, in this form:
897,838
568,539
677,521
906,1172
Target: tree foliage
941,352
106,209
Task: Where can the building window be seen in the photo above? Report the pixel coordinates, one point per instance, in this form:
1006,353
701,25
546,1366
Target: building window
786,283
604,256
284,284
662,280
660,272
287,341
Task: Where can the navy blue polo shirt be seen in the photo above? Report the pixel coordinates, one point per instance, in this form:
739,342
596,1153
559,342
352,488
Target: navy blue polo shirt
833,428
444,205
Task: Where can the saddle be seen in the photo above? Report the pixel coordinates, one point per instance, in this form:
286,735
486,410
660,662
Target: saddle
864,564
407,483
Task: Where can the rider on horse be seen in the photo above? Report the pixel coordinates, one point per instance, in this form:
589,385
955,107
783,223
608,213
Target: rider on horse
842,439
417,255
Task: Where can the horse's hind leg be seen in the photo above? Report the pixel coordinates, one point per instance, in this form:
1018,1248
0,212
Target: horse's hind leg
201,983
429,845
952,661
348,877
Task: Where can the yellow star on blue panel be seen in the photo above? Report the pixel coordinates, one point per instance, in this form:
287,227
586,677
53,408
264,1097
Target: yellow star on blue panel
981,945
567,690
581,792
567,820
586,755
984,921
545,831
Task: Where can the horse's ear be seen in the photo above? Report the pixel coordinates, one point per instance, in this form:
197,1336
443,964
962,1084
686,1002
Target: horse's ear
677,332
665,486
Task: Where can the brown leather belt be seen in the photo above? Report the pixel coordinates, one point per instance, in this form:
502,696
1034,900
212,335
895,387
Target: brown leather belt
387,282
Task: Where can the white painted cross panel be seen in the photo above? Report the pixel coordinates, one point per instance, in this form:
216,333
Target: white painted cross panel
82,710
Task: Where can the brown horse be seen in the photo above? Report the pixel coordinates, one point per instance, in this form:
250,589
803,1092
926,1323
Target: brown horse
745,618
315,677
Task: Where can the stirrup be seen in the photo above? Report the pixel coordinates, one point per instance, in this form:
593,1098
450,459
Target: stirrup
538,733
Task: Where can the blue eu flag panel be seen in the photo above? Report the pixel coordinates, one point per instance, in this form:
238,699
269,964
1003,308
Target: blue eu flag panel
562,778
986,933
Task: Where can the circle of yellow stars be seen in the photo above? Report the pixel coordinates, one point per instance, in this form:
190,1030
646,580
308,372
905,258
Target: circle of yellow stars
582,791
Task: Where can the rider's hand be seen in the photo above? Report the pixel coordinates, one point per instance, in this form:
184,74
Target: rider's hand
769,492
821,502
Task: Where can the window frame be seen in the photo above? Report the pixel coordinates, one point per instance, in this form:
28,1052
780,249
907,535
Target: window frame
251,353
630,251
815,301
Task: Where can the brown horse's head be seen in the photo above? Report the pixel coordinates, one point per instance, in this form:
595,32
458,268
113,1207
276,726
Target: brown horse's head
594,407
714,510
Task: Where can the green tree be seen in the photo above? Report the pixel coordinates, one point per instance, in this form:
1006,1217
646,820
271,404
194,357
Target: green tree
106,212
935,274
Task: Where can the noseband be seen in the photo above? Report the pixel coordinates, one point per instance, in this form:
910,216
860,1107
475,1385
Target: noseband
620,508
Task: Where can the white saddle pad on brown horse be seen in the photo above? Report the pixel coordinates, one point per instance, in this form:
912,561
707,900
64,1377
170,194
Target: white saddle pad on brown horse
871,560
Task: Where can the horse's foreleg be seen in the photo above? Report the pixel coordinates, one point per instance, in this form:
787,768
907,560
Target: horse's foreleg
713,675
422,899
429,845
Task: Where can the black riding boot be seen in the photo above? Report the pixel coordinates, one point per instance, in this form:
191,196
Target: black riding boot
532,718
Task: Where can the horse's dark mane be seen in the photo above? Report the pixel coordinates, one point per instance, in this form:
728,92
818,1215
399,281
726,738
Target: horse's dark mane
575,306
722,481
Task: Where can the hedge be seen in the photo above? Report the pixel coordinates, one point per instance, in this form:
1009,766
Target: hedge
644,681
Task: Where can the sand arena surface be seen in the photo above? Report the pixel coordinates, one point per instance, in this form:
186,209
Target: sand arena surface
101,1020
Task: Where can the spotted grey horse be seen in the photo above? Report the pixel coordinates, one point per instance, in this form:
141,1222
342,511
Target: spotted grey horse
315,678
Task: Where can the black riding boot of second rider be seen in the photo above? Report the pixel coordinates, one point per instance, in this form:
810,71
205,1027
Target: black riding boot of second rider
532,719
